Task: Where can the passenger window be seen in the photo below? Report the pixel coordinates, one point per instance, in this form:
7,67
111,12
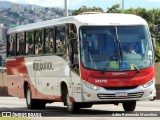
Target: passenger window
20,44
49,40
29,43
38,42
11,45
60,39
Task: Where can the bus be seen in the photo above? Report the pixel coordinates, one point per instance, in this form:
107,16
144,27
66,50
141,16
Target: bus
81,61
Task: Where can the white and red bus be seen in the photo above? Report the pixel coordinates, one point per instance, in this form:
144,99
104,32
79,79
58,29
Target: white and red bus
82,60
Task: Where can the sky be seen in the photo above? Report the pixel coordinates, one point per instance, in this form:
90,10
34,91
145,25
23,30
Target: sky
104,4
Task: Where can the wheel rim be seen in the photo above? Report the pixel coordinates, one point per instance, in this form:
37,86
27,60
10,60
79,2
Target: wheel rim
69,103
28,97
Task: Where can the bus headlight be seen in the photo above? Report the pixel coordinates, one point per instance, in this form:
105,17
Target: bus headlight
149,83
89,85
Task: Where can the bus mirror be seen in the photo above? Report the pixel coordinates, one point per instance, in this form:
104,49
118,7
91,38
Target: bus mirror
72,35
75,36
154,43
155,28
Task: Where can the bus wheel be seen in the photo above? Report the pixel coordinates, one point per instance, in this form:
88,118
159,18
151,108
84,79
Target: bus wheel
72,107
32,103
129,106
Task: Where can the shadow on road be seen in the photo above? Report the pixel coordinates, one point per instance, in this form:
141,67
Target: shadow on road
56,111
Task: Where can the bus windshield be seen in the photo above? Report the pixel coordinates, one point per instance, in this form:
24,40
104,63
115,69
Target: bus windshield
115,48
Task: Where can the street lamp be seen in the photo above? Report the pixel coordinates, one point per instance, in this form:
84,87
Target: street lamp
65,8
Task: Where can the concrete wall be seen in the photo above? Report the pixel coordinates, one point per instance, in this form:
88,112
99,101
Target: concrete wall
3,85
157,76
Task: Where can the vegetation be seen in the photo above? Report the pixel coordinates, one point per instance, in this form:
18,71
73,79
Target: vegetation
151,16
87,9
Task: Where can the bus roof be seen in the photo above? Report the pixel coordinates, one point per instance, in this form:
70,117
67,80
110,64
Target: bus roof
108,19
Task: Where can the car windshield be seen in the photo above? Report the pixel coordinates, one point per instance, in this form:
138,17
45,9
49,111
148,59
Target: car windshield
115,48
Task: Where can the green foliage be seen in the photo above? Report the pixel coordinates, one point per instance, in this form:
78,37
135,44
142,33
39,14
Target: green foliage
87,9
114,9
157,52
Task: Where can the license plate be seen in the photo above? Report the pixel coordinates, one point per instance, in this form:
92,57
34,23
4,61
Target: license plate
120,94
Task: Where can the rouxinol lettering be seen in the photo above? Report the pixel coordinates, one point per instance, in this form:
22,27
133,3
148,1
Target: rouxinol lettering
43,66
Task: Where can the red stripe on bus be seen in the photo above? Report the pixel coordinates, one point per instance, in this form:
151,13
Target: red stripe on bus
117,79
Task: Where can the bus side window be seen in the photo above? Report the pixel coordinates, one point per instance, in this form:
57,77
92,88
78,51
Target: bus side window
29,43
8,45
11,45
20,44
38,42
60,39
49,41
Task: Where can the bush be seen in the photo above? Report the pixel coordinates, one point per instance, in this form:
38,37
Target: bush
157,53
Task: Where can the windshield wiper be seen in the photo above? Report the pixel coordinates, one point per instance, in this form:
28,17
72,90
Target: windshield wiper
116,49
119,45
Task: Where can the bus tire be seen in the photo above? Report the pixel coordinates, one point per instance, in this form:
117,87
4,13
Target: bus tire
129,106
86,105
29,101
72,107
32,103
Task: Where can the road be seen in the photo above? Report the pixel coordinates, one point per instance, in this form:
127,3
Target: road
98,112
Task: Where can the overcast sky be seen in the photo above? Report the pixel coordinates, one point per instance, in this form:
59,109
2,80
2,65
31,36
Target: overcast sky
75,4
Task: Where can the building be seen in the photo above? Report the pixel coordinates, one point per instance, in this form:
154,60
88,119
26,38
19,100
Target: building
31,7
3,33
15,8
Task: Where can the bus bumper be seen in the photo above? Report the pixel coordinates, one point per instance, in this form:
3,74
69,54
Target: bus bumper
102,94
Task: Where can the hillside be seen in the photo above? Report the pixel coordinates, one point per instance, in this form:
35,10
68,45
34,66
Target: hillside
12,14
6,4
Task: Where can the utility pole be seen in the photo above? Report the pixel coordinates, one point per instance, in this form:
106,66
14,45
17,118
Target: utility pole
123,6
65,8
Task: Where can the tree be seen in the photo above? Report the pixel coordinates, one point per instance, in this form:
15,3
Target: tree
96,9
114,9
87,9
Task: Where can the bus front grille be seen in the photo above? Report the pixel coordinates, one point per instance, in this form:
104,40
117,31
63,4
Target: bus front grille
113,96
120,88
